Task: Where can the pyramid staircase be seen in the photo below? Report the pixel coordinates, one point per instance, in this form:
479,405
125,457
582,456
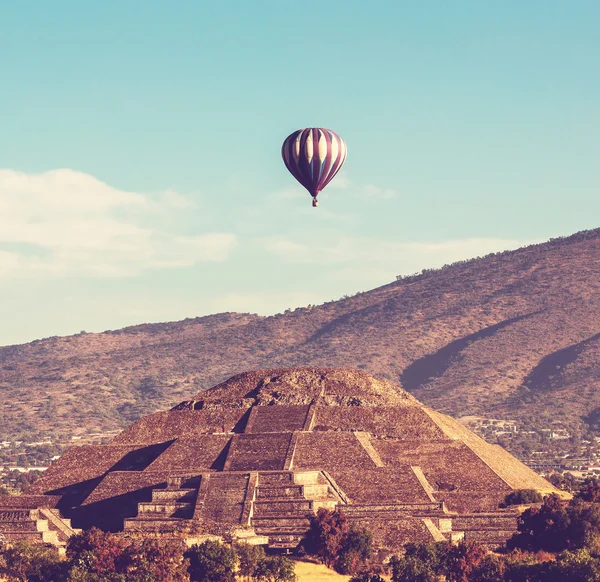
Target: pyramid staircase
170,509
35,526
487,529
283,503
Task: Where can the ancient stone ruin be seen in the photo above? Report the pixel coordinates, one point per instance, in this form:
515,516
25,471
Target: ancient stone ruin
262,451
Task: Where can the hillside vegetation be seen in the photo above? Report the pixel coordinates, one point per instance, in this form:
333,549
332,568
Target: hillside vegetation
511,335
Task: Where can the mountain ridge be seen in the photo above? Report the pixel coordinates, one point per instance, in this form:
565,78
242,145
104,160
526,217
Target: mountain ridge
497,317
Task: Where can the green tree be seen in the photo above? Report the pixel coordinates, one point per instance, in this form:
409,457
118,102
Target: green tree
98,552
544,528
590,491
162,560
275,569
31,563
248,558
367,577
325,536
211,561
490,569
523,496
355,552
420,563
579,566
462,561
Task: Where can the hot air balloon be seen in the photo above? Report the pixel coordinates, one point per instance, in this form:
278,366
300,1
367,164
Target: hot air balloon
314,156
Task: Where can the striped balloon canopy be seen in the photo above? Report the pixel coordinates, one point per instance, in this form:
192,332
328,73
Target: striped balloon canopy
314,156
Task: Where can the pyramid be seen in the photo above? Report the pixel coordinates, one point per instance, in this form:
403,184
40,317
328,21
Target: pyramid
262,451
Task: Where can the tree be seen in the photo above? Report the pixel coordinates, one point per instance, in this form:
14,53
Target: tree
355,552
31,563
462,560
275,569
325,536
98,552
523,496
366,577
249,557
211,561
490,569
579,566
98,556
158,560
412,569
556,526
590,491
584,526
421,562
543,528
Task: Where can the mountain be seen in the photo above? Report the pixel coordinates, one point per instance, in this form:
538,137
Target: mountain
512,335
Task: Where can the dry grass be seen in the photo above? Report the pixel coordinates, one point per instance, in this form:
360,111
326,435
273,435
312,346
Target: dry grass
311,572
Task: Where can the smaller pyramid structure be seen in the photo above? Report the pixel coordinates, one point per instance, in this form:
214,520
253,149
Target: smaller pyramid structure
264,450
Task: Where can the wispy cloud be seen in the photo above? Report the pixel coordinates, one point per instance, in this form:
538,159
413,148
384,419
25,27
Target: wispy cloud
340,183
359,258
64,222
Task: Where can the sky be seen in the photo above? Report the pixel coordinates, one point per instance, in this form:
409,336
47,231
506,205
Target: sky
140,170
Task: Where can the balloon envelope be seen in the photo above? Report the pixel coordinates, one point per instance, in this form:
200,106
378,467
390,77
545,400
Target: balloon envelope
314,156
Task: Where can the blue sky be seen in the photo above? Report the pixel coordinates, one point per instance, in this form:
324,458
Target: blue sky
140,174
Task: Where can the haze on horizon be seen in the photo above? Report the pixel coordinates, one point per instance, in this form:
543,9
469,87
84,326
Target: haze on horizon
140,174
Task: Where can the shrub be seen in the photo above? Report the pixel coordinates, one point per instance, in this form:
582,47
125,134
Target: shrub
523,497
366,577
420,563
211,561
556,526
96,555
355,552
249,558
98,552
275,569
33,563
590,491
325,536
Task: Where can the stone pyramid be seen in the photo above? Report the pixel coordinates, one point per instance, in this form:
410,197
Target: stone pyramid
262,451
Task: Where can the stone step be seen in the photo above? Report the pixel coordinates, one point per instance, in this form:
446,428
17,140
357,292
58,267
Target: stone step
284,541
488,536
309,478
400,508
485,522
24,526
173,495
183,482
282,530
282,506
275,479
10,515
316,491
31,537
298,522
289,491
155,524
177,509
40,537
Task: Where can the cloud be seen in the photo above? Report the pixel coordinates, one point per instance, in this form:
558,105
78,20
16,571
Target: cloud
340,182
65,222
376,192
360,258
